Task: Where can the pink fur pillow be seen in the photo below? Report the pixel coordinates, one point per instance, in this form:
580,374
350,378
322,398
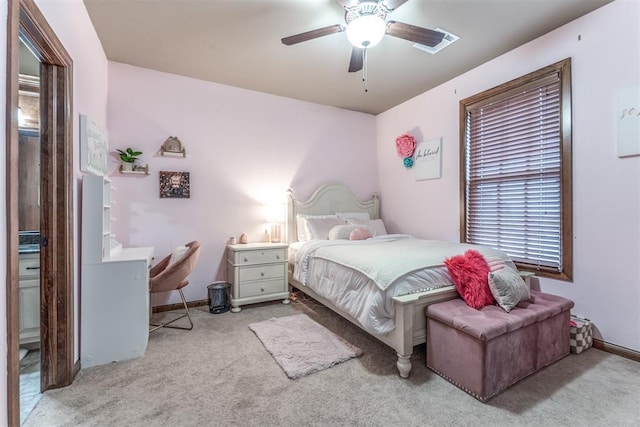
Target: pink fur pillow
360,233
469,275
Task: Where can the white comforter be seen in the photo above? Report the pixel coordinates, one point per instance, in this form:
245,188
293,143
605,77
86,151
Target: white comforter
393,260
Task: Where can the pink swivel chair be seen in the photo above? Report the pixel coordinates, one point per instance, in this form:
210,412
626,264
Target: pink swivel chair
170,276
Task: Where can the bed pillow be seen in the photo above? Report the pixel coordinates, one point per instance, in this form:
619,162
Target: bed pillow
341,232
360,233
301,225
469,273
495,263
376,225
354,215
319,227
508,288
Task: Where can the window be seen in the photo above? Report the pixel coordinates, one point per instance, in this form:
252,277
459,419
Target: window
516,170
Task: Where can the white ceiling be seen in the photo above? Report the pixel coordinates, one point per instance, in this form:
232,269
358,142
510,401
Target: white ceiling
237,43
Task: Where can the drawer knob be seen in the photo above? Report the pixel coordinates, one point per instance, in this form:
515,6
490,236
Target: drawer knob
245,260
262,274
277,256
261,289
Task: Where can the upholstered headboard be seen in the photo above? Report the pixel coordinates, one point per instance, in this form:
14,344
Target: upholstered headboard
327,200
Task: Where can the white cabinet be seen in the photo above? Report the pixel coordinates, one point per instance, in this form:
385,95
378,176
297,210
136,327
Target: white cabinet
114,299
29,296
257,272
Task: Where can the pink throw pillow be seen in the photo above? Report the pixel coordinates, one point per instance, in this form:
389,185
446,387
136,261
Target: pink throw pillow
469,273
360,233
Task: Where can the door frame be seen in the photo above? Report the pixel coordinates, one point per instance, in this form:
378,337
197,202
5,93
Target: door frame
56,207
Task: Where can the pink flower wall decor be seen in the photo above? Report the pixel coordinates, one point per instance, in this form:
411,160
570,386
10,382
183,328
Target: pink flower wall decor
405,145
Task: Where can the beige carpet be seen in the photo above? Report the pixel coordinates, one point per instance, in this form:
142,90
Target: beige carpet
302,346
219,374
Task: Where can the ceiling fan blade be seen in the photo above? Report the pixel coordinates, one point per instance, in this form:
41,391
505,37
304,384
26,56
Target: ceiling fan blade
394,4
414,34
356,60
348,3
313,34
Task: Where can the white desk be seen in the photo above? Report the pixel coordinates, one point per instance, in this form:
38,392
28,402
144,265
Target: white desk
115,307
114,289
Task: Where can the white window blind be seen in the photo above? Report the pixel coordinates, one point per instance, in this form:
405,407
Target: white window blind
513,173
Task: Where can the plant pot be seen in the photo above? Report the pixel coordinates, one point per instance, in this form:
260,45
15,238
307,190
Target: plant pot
127,166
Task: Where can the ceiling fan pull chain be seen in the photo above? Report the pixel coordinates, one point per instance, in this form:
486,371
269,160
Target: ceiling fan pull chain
364,68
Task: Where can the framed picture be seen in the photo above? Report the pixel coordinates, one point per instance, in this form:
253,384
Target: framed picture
175,185
628,121
94,148
427,160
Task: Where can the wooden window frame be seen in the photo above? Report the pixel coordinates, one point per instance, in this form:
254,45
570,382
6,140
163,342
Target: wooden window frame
503,91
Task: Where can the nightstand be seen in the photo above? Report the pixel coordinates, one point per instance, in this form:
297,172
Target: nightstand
257,273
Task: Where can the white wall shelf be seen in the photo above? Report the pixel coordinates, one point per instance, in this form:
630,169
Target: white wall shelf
139,170
168,155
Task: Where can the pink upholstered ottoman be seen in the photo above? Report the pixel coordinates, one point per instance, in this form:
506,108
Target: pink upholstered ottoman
485,351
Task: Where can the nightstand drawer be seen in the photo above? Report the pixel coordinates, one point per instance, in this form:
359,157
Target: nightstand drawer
259,256
258,272
263,287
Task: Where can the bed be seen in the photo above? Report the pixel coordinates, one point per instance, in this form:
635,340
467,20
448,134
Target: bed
401,303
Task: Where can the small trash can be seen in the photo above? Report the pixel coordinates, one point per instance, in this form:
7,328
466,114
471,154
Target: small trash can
218,297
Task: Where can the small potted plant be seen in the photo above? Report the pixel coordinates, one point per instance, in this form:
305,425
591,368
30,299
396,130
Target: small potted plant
129,158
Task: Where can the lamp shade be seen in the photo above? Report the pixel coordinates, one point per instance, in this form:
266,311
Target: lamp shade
275,213
275,217
366,31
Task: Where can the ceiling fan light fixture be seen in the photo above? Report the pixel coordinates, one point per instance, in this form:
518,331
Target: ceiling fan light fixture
366,31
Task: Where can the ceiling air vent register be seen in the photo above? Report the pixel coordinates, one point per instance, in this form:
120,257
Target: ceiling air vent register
446,41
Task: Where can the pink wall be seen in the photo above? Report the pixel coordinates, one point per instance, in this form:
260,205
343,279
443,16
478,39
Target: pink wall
244,150
606,286
71,23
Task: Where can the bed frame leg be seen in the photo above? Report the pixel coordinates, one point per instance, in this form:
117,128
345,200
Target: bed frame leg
404,365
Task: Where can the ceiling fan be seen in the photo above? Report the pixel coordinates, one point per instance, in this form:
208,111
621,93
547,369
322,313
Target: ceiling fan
366,25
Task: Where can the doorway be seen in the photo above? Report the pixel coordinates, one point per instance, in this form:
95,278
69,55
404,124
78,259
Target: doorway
29,229
56,308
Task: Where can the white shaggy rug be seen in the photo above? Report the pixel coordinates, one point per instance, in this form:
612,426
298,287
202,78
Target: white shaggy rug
301,346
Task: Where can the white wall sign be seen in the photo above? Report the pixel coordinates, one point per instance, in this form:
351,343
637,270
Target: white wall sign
427,159
628,121
94,148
